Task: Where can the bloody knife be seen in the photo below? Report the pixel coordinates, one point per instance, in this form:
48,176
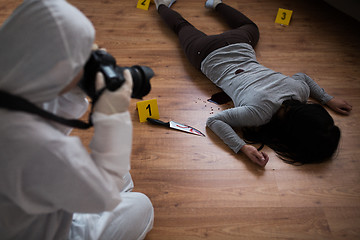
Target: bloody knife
177,126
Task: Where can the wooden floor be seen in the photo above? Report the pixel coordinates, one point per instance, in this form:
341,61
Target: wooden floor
199,188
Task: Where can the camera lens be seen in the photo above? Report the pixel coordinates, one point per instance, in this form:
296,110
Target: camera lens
113,75
141,76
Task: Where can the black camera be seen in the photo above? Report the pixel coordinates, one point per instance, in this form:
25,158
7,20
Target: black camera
104,62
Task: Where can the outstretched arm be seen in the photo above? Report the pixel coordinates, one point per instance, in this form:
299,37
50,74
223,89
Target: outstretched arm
222,125
336,104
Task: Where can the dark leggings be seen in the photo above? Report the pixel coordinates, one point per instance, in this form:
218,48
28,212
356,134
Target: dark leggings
197,45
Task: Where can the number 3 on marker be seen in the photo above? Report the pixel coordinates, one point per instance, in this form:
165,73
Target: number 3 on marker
147,108
283,17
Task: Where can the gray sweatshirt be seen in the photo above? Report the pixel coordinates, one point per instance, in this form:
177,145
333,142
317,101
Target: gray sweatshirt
257,91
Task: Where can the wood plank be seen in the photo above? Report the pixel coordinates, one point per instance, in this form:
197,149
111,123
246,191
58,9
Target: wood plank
198,186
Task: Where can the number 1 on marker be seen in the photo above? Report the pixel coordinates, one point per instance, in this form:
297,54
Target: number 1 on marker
148,108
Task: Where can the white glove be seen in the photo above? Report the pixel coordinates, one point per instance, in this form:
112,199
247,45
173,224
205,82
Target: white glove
117,101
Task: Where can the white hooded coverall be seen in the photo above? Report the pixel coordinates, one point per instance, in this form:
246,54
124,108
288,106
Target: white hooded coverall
45,175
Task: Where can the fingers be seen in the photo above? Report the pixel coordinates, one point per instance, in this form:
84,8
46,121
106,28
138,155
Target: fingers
344,111
340,106
344,108
100,81
262,159
94,47
266,159
128,78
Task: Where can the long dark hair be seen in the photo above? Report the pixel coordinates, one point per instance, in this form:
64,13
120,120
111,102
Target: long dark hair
301,133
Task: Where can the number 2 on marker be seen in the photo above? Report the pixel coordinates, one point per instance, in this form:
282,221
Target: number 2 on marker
143,4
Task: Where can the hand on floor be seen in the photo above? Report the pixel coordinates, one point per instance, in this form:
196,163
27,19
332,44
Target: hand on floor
340,106
260,158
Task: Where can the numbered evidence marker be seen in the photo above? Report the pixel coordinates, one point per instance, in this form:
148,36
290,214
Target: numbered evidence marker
283,17
147,108
143,4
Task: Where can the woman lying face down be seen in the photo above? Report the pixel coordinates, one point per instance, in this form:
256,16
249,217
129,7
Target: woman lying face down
269,107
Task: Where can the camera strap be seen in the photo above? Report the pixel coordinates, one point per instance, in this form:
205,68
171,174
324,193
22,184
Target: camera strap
16,103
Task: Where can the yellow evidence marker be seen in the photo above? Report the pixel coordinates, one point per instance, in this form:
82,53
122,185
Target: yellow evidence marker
283,16
148,109
143,4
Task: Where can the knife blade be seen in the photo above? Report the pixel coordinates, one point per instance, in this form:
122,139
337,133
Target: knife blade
177,126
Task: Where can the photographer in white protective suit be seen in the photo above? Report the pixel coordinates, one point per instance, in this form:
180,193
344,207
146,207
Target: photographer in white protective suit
50,186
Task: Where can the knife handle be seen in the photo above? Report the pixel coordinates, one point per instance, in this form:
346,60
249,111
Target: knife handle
158,122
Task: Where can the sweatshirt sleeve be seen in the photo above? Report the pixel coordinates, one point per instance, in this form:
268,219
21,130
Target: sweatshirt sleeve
224,123
316,91
111,144
54,171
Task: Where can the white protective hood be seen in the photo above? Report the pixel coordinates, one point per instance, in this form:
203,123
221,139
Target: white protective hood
43,46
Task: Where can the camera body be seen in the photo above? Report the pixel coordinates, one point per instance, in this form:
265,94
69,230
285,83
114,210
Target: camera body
105,63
